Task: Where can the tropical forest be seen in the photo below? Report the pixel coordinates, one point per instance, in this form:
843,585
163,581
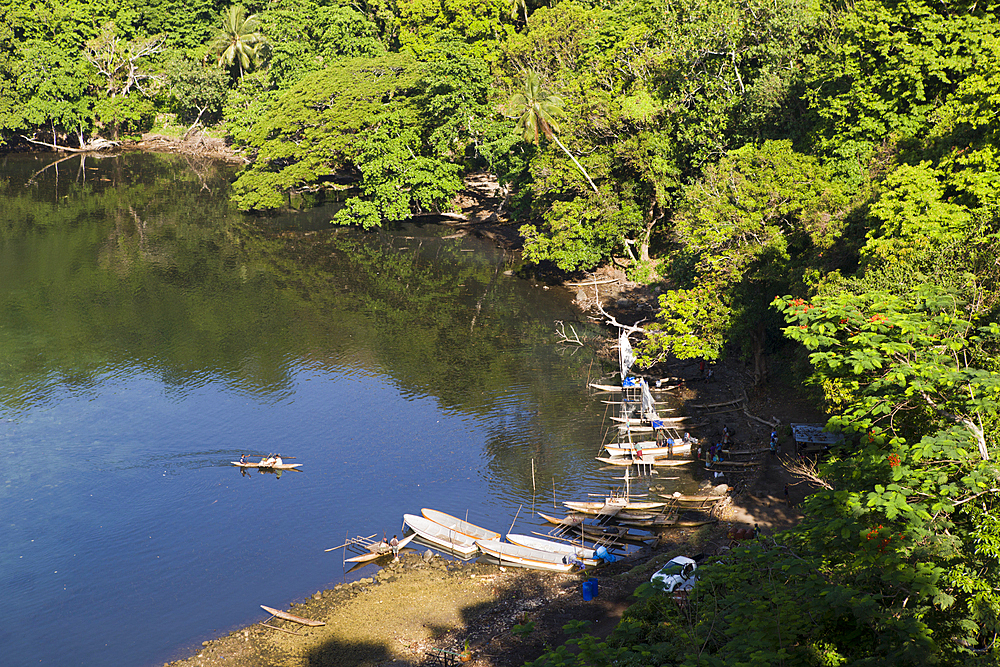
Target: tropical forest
809,186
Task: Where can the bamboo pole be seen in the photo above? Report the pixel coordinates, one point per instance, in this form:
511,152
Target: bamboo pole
515,517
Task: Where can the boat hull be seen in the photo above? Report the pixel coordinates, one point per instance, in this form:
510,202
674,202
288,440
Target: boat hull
439,536
459,526
644,460
282,466
542,544
513,554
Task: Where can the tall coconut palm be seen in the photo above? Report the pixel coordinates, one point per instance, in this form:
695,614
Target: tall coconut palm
239,41
538,110
516,5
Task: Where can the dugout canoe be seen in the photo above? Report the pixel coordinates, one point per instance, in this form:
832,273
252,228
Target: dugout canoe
280,466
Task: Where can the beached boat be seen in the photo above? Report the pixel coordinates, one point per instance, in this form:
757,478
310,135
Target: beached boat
570,521
746,452
514,554
648,448
277,466
292,617
460,526
440,536
561,548
644,460
379,549
589,507
605,535
663,521
723,465
645,419
681,498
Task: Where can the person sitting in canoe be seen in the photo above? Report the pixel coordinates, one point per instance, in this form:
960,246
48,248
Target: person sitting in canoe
275,460
267,462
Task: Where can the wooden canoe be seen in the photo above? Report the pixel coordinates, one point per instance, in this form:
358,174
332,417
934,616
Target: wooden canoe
589,507
292,617
282,466
567,521
746,452
667,522
379,549
561,548
458,525
734,464
643,461
440,536
651,450
513,554
643,420
618,387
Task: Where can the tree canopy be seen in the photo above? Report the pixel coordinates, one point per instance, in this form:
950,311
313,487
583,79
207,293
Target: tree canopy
842,156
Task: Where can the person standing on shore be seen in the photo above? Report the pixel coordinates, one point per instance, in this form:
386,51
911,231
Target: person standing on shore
394,544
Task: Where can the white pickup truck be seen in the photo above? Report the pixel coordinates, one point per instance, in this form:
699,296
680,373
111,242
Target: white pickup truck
677,575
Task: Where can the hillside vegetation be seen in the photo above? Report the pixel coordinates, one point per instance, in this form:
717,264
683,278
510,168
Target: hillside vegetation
811,177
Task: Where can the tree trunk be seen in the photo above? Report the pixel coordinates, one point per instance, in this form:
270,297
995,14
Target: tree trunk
757,341
578,165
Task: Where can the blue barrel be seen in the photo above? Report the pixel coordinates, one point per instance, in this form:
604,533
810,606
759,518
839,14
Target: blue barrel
590,589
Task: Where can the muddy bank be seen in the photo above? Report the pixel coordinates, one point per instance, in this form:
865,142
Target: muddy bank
411,611
407,613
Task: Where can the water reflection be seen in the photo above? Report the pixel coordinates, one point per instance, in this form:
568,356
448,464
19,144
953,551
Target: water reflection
149,336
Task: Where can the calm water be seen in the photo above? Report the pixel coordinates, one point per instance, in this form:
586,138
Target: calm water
149,335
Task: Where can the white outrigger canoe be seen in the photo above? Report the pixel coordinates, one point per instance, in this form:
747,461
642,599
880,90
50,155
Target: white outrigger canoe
441,536
643,460
653,449
513,554
379,549
460,526
587,507
561,548
275,466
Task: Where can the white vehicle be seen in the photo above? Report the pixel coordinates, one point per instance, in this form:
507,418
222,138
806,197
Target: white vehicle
677,575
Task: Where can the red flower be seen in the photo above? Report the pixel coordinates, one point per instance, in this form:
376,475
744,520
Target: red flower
893,460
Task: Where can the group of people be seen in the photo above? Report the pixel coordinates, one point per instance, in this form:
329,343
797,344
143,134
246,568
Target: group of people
387,545
269,461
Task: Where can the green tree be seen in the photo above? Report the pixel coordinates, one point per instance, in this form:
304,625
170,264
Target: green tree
239,42
395,129
752,225
537,110
198,91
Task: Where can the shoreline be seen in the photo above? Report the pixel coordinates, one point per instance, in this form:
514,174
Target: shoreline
410,611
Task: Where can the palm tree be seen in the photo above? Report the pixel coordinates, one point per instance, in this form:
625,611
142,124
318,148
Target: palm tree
538,110
516,5
239,41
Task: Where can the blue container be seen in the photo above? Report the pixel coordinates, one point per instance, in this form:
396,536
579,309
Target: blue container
590,589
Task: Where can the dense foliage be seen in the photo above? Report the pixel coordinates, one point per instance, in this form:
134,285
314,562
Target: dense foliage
841,155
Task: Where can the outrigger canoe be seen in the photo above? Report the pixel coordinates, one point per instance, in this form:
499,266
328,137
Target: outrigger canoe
280,466
589,507
460,526
379,549
440,536
513,554
651,449
580,553
643,460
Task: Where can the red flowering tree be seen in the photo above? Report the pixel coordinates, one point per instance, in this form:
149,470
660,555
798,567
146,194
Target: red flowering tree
911,523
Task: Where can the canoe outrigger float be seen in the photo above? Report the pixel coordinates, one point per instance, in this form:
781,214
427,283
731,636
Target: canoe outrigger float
274,466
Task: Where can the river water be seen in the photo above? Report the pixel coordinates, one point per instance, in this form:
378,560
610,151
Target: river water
149,335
